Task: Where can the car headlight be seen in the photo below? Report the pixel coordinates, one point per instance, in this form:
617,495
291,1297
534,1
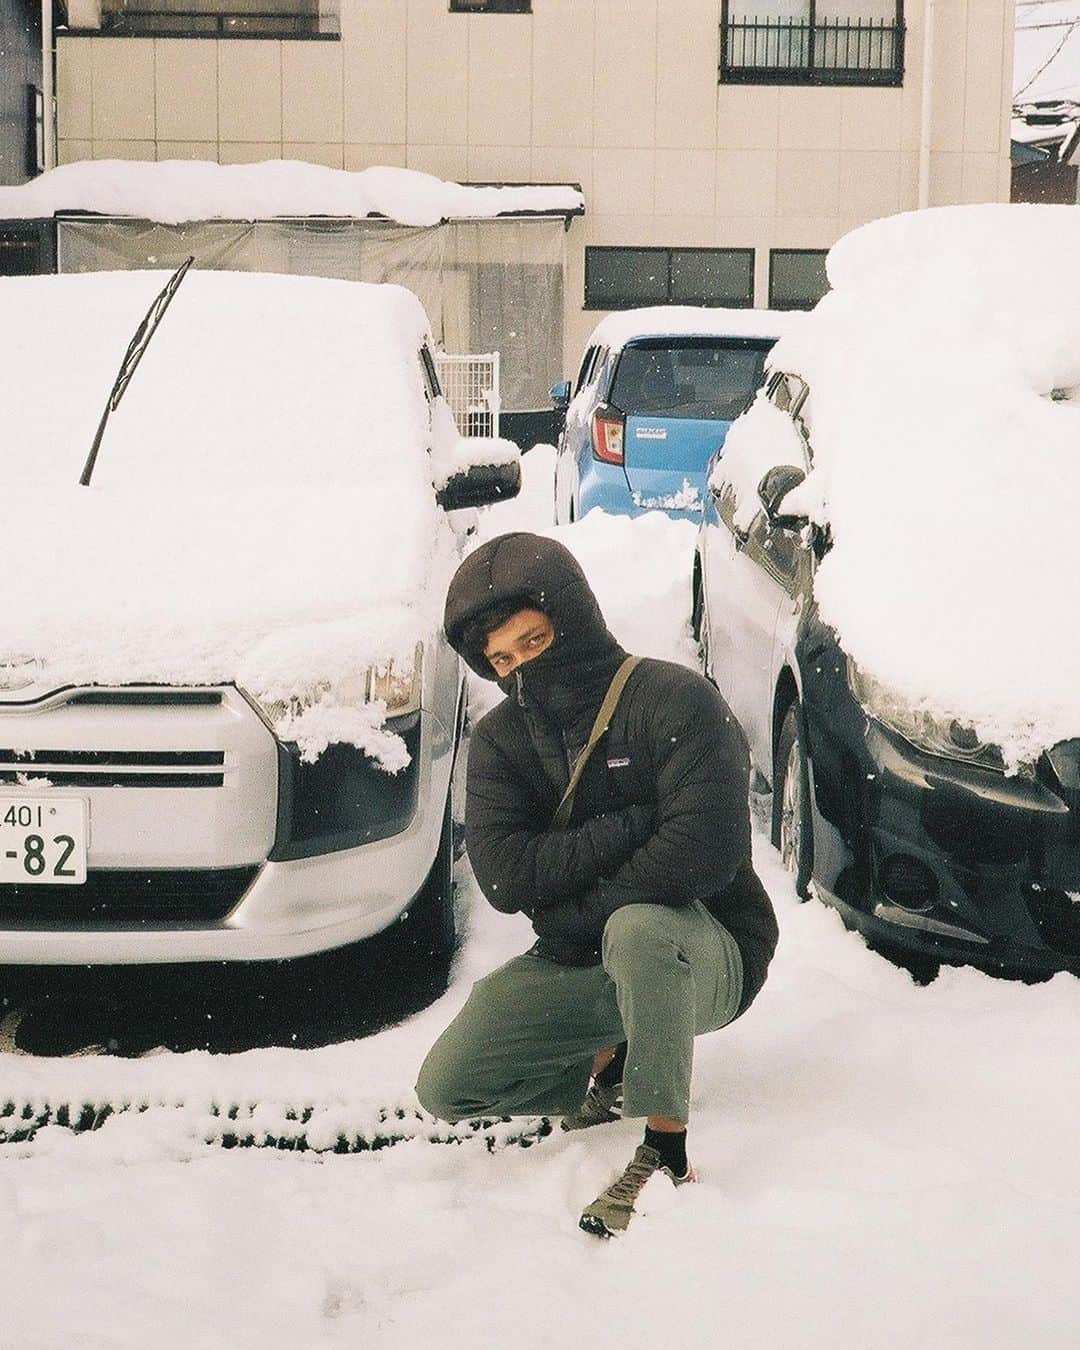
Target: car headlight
398,685
936,735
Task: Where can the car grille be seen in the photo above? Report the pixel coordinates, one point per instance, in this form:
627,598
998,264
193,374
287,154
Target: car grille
114,768
121,899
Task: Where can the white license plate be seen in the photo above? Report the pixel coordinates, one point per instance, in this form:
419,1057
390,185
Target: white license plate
43,840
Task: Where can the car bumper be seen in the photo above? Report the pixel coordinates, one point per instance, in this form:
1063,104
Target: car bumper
229,872
956,862
605,486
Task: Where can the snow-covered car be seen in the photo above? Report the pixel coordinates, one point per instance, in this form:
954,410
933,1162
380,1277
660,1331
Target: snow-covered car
885,587
654,396
227,713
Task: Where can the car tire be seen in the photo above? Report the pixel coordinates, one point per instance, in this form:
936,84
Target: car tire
792,818
427,929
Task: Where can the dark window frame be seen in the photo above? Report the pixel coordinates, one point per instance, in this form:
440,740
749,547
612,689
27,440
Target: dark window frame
811,30
225,23
669,253
490,6
789,252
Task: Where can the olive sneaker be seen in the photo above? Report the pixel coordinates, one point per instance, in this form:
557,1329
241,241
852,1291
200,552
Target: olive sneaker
610,1213
603,1103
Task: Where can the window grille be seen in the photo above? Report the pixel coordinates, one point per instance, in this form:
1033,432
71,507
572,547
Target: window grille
207,18
811,47
471,386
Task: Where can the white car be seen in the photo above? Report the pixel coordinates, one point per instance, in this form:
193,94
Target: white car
228,717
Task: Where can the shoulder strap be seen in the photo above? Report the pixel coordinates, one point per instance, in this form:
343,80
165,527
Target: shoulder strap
603,718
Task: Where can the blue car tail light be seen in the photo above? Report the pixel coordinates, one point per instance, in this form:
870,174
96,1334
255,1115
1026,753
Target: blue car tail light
608,434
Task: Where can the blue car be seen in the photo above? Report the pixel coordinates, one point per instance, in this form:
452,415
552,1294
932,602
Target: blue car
655,394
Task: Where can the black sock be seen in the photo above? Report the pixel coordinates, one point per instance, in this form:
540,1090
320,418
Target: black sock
671,1145
611,1074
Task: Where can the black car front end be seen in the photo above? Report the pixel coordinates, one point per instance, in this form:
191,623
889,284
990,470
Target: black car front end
943,856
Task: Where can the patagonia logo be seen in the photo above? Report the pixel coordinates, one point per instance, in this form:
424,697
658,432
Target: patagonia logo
619,763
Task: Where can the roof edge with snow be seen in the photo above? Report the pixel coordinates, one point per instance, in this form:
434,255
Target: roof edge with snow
172,192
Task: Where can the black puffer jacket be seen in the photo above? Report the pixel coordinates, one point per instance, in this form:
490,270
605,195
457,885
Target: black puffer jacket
660,814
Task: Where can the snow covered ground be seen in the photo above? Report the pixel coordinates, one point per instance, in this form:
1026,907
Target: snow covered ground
881,1165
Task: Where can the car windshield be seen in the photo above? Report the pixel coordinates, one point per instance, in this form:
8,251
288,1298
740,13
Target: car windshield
689,377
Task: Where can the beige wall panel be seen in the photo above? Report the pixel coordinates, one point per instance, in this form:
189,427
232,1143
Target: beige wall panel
499,163
563,38
869,185
444,161
187,150
123,75
248,152
686,73
805,232
871,119
329,154
74,89
683,231
186,90
368,156
982,94
746,182
909,181
559,164
500,80
249,85
69,152
950,65
124,150
809,119
623,182
373,48
438,70
747,117
946,175
311,92
685,182
624,84
808,181
618,229
979,178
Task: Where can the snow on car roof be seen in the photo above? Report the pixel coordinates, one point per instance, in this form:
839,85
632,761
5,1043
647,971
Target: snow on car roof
180,190
262,507
944,373
616,330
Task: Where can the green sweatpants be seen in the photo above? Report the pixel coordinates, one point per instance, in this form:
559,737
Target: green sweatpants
524,1042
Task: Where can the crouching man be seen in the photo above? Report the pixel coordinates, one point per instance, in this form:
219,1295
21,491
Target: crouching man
607,800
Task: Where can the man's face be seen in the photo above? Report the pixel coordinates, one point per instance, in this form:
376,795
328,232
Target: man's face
524,635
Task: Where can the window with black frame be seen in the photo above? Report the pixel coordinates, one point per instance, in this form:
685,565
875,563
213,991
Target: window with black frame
845,42
797,277
618,277
208,18
490,6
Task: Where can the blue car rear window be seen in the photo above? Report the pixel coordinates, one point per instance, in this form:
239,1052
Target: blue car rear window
689,377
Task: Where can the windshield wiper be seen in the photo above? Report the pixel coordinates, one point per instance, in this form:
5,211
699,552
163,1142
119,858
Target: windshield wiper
132,357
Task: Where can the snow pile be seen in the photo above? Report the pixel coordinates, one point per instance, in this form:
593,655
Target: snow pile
880,1164
262,507
944,369
174,191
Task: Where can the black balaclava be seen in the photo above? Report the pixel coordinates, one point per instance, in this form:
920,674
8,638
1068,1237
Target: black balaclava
566,683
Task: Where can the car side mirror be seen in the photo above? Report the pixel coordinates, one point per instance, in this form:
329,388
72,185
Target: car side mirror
560,395
773,488
484,471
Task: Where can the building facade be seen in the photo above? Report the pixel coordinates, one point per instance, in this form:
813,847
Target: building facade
722,145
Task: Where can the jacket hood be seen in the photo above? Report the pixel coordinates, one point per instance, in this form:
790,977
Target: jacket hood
538,572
